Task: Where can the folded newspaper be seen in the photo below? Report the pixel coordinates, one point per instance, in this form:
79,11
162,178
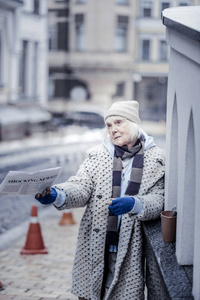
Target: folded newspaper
29,183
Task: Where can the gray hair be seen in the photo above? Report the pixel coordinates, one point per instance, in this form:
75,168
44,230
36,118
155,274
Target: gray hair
135,131
134,128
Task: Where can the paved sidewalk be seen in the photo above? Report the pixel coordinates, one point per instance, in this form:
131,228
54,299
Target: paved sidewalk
41,277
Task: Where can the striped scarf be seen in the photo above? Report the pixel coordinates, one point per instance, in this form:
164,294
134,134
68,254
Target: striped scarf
134,184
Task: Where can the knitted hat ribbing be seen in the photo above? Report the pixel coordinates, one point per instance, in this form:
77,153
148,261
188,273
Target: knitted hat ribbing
126,109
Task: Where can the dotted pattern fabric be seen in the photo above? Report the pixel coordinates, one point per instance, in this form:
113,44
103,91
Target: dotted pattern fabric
92,187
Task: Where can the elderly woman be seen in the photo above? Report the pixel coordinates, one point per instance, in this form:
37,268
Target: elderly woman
121,183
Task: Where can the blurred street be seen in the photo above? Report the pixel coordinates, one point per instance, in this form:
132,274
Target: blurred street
42,151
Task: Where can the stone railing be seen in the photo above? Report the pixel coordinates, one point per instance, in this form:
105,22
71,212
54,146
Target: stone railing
183,133
178,264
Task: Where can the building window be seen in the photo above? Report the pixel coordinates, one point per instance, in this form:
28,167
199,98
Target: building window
164,5
51,87
119,89
121,34
53,37
146,50
63,36
80,1
183,4
122,2
1,59
23,66
36,7
64,12
150,92
163,51
35,69
146,8
80,32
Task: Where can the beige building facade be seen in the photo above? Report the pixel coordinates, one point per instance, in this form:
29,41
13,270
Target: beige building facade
109,51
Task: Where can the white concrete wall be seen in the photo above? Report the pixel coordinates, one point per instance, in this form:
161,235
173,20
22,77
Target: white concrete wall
183,144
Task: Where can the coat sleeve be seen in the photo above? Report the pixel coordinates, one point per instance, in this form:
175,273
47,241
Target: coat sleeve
78,188
151,192
152,202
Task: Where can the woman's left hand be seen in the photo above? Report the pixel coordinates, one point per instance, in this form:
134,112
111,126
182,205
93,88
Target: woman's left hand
122,205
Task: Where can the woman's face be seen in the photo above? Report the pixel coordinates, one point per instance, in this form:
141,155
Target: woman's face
119,131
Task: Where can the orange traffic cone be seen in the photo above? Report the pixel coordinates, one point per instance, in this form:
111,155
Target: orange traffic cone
67,219
34,241
1,285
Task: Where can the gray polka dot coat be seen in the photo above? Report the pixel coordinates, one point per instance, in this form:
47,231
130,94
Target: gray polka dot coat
92,187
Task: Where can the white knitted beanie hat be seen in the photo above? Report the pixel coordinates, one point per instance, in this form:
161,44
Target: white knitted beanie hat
127,109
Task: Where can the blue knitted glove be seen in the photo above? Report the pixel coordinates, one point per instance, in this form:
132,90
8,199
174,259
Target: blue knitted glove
122,205
48,196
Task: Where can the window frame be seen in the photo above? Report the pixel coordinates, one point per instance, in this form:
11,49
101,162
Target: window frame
79,32
162,3
146,5
23,66
121,33
166,58
143,50
1,58
122,2
184,3
53,37
36,7
81,1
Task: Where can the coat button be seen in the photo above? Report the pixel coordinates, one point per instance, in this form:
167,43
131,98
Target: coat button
99,196
96,230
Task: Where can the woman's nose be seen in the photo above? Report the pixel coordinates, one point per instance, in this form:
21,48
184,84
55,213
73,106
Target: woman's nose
114,128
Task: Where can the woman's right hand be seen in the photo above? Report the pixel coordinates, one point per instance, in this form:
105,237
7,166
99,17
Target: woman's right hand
48,196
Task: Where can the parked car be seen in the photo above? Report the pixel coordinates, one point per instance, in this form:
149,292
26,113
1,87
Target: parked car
83,116
90,119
